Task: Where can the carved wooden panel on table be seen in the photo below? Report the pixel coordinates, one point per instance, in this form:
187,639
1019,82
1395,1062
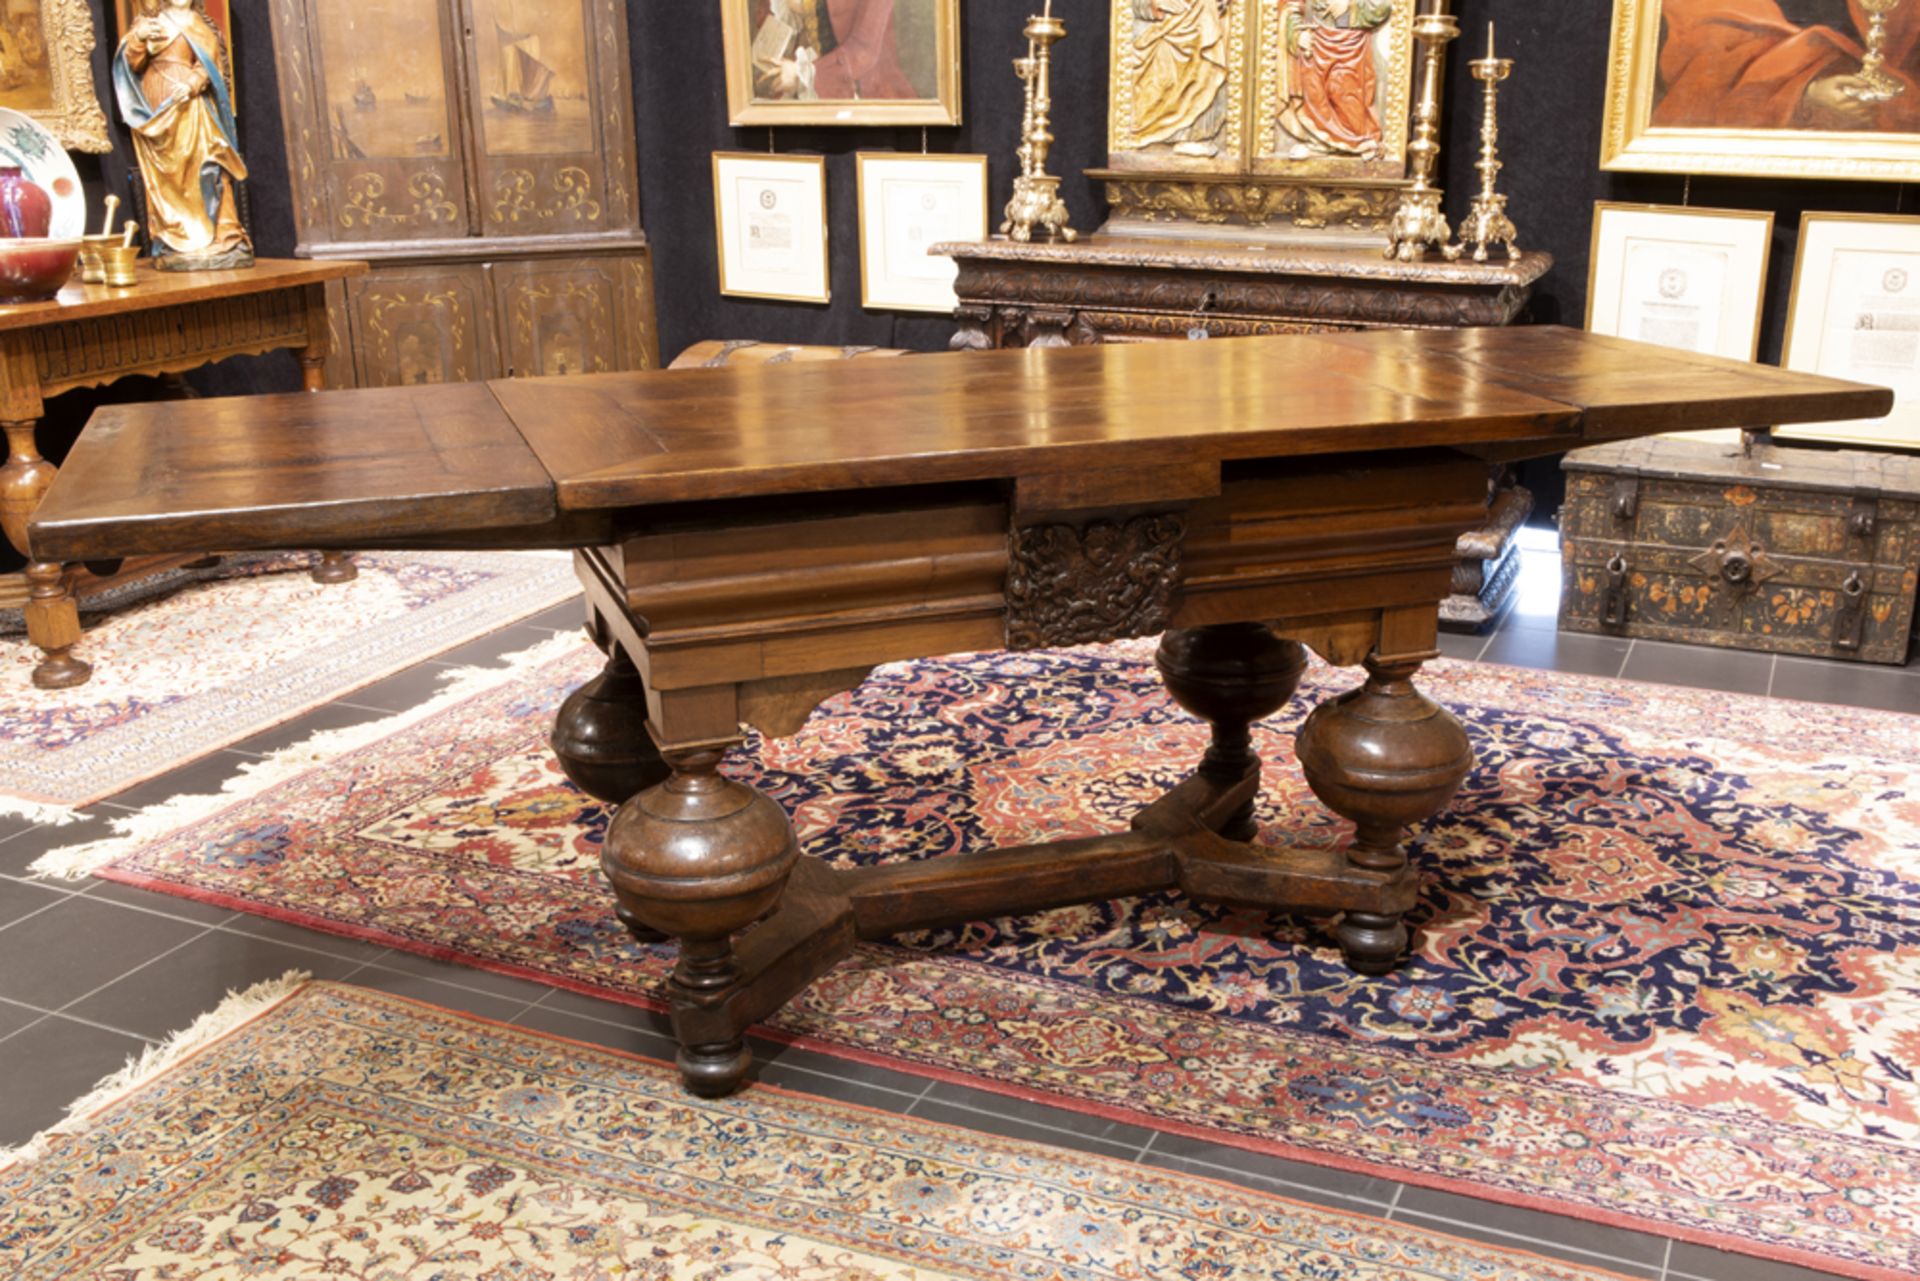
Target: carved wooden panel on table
582,315
423,324
551,127
375,130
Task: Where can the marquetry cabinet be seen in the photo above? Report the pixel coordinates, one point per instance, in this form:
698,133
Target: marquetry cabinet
479,154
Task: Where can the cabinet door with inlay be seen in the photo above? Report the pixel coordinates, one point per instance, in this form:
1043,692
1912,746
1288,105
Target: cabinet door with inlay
426,324
552,131
577,315
375,119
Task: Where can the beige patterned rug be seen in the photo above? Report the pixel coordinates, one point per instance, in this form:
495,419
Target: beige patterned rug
193,669
323,1130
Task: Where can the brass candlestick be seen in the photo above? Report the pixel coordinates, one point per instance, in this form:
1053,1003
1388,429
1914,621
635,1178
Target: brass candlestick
1036,205
1419,224
1489,224
1873,67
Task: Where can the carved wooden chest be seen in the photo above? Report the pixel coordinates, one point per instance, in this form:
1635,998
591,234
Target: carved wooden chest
1790,551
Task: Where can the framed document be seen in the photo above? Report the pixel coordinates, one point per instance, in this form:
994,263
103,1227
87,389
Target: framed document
770,216
1855,313
842,62
1695,279
908,203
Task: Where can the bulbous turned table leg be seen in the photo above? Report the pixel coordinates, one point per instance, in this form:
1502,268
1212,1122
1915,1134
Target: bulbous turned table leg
334,567
600,735
701,857
1387,757
53,624
1231,675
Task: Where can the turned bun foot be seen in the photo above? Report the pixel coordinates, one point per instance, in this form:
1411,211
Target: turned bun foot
334,567
1372,944
600,736
714,1071
61,670
1231,675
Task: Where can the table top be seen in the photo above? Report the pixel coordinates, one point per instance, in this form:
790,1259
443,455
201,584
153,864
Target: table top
173,288
531,459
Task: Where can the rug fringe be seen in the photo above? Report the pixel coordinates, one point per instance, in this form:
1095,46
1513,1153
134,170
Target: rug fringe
39,813
77,862
238,1008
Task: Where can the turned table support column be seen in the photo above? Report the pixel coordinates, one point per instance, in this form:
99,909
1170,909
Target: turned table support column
1231,676
53,616
1386,757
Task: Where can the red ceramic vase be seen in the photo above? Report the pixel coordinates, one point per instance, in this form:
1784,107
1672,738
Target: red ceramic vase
26,210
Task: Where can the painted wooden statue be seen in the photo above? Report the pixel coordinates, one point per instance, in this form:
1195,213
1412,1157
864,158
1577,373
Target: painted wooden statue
172,90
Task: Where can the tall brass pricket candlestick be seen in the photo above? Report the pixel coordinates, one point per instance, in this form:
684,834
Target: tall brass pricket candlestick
1036,205
1419,224
1489,224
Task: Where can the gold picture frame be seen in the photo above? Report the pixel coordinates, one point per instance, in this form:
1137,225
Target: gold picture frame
56,87
770,226
1882,247
1707,124
918,84
1744,239
952,193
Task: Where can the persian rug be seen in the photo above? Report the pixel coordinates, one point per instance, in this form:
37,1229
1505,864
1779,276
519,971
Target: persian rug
333,1131
1667,976
203,661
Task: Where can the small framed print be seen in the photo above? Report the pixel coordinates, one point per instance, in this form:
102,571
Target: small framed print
1855,313
909,203
1695,279
770,215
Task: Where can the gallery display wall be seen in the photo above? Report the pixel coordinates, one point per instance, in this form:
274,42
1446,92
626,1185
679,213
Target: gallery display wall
1551,142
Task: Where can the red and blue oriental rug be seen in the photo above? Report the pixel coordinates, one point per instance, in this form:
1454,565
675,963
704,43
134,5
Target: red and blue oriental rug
1668,969
332,1131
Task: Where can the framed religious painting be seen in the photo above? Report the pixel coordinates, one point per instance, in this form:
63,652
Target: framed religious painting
770,223
46,69
1855,313
842,62
1765,88
909,203
1231,111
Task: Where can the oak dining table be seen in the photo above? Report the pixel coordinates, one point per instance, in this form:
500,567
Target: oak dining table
753,541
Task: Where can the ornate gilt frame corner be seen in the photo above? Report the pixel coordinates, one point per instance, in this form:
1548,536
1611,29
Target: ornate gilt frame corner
76,117
1628,143
945,110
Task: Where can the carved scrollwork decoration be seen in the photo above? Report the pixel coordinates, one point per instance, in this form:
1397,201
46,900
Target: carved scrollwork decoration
1251,203
1099,581
366,201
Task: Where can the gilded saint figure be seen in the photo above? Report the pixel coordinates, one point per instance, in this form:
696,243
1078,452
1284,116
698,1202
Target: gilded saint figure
173,94
1180,88
1330,78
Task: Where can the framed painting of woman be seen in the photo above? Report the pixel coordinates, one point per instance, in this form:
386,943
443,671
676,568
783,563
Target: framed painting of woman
842,62
1765,88
46,69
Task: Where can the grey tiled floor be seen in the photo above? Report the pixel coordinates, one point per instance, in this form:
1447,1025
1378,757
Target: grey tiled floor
92,972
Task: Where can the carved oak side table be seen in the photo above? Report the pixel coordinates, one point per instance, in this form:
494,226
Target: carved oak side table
92,335
1137,288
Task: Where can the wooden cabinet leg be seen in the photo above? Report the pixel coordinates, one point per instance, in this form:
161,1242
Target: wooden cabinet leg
600,736
701,857
335,567
53,624
1231,676
1387,757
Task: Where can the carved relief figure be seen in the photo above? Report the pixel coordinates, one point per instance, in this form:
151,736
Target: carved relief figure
1180,92
1330,91
172,92
828,49
1784,64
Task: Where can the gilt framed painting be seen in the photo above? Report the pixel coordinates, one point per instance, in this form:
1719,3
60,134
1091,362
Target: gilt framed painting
842,62
1765,88
46,69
